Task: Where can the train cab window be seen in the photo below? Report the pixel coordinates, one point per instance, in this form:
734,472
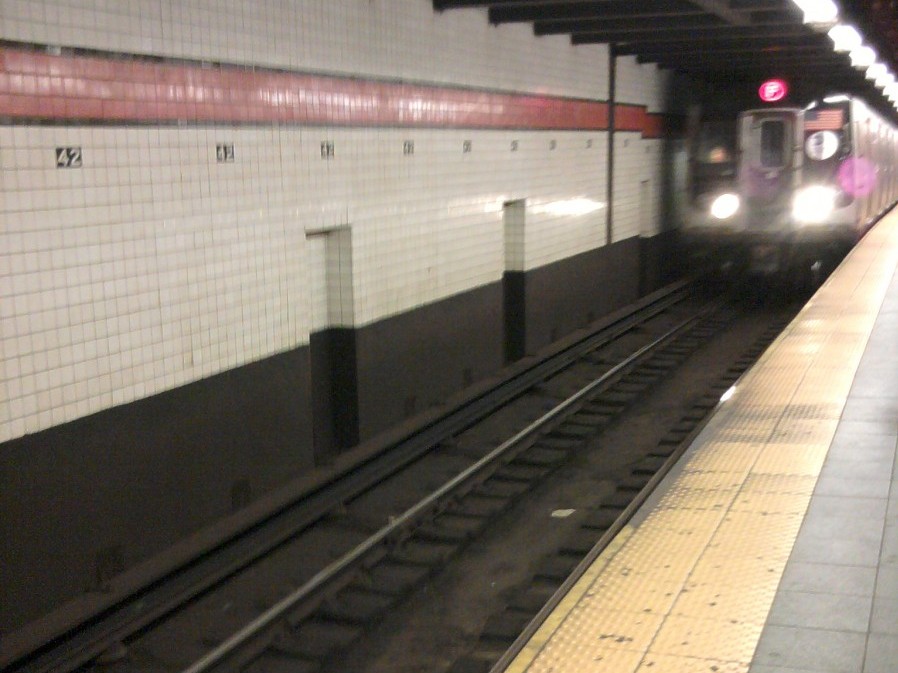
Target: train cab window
773,144
765,140
716,143
712,163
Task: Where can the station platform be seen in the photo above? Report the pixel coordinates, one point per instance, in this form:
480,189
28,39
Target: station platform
772,546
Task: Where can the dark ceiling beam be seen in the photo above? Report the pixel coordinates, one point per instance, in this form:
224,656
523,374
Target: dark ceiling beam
746,60
684,23
560,25
781,16
712,33
587,34
796,69
440,5
697,52
722,10
799,76
757,5
782,8
660,10
814,84
700,32
750,44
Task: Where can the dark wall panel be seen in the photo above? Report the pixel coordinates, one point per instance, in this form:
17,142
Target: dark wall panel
83,501
414,361
335,411
514,288
659,263
568,295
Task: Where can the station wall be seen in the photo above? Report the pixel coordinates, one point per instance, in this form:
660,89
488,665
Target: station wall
238,239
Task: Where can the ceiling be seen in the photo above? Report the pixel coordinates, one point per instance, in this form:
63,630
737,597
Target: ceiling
723,40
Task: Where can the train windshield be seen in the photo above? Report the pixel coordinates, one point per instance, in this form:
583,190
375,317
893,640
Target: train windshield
716,143
767,141
773,143
713,158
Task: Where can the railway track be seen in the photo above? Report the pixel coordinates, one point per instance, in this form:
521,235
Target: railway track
297,592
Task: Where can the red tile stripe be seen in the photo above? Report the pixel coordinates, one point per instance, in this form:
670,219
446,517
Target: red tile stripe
637,118
35,85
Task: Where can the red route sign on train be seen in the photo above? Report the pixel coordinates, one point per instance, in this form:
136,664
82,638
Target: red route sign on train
773,90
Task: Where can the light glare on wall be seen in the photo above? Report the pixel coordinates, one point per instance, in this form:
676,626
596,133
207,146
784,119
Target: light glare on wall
575,206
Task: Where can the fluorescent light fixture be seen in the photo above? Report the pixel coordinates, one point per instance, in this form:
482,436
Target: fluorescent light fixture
884,81
845,37
840,98
862,57
818,11
876,71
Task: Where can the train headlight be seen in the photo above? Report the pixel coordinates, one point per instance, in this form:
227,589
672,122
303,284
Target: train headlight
813,205
725,206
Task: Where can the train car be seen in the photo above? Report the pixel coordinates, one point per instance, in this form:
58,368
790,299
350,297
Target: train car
794,190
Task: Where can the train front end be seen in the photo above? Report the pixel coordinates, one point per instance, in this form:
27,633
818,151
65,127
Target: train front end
785,209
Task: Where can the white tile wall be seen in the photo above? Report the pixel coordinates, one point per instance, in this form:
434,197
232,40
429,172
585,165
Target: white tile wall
154,265
566,217
383,38
638,160
149,267
637,210
641,83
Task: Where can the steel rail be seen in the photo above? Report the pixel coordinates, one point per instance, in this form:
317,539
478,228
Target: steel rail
82,642
320,579
533,626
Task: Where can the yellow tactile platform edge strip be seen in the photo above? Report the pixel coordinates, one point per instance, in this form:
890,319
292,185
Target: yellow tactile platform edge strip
689,587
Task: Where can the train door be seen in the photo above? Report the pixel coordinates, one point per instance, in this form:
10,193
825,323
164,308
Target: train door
862,173
770,164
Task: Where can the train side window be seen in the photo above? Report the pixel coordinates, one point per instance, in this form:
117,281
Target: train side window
773,144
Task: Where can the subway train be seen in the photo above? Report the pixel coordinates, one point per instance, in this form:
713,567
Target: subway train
785,192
